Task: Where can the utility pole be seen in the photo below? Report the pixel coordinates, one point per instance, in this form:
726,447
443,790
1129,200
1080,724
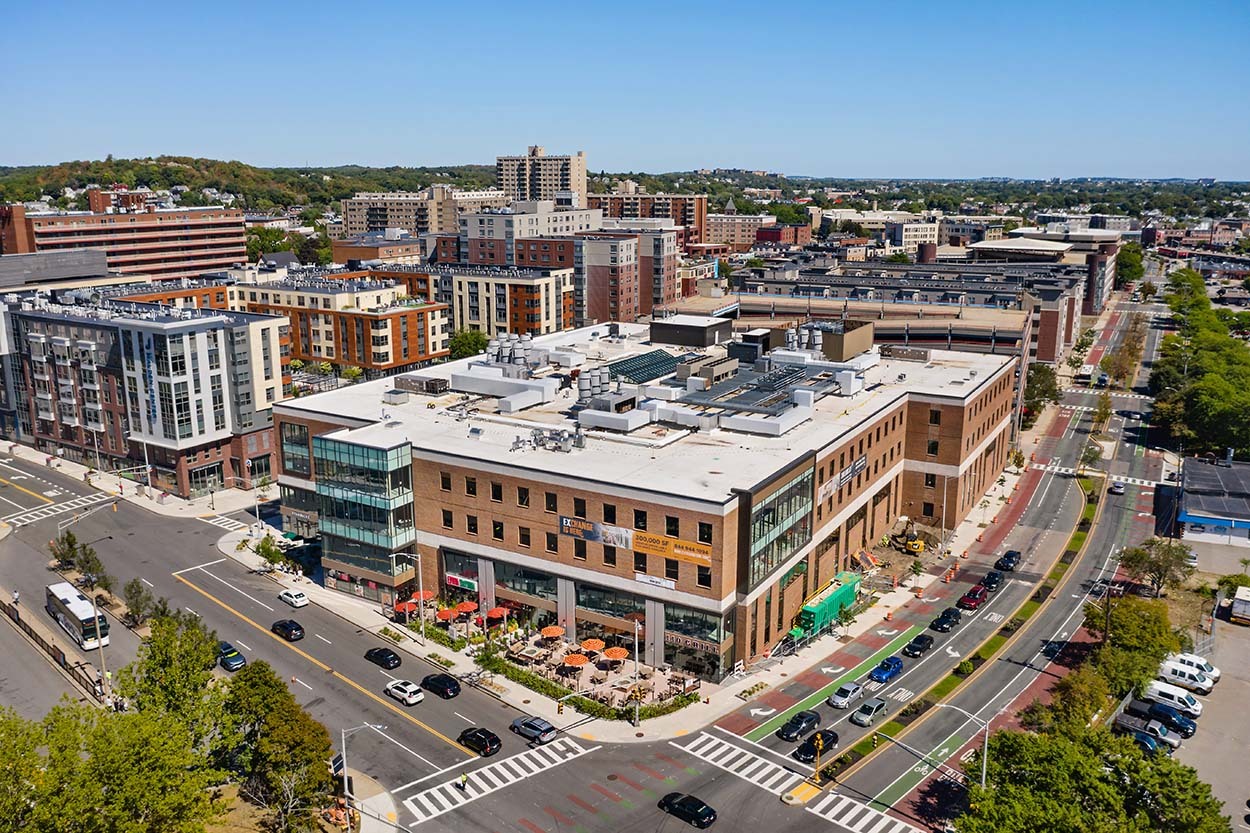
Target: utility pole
985,749
637,700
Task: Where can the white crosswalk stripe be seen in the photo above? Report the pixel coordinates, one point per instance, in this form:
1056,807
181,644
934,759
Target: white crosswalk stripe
228,524
487,779
857,816
1113,394
1133,481
30,516
745,764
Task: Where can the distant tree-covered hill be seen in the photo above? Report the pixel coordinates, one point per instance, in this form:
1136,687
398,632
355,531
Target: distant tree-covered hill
260,189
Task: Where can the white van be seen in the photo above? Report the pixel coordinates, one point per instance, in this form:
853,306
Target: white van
1174,696
1198,664
1185,677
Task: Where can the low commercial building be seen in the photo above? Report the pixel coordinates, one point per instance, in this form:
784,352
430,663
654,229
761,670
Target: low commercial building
1214,504
694,499
161,243
387,247
182,397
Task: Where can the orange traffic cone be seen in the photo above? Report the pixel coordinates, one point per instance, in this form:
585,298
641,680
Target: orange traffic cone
889,614
964,555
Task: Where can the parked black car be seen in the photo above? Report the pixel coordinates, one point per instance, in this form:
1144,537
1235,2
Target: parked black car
806,751
689,809
799,725
1009,561
288,629
384,657
444,685
947,621
482,741
992,581
919,646
1165,714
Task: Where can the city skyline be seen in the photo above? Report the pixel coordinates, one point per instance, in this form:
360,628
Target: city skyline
923,95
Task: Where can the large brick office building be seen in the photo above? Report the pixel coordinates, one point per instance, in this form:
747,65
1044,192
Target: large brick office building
702,496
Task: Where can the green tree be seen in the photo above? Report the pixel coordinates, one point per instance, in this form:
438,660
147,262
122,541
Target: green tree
1128,264
22,773
139,602
1090,456
262,240
1041,387
290,774
255,693
352,373
296,365
846,618
1160,562
173,674
65,550
267,549
1078,696
1102,411
917,570
94,576
466,343
1148,290
898,257
1137,635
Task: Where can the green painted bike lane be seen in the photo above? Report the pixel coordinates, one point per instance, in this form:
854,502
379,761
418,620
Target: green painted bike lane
914,777
769,726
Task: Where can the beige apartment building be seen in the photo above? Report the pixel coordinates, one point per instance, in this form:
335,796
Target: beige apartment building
436,209
537,176
910,235
494,300
736,230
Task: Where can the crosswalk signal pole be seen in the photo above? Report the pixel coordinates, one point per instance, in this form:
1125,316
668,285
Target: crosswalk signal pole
819,743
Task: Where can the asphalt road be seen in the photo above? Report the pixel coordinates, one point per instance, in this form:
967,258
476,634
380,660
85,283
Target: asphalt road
29,683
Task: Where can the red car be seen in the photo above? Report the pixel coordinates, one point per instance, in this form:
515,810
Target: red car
974,598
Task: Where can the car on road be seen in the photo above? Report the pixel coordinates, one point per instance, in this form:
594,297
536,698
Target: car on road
846,694
482,741
798,725
1103,380
444,685
1117,488
947,620
295,598
974,598
868,712
288,629
1009,561
229,657
534,729
992,581
889,668
693,811
806,751
384,657
919,646
405,691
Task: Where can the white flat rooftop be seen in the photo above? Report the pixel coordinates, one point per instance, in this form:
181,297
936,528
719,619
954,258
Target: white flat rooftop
658,457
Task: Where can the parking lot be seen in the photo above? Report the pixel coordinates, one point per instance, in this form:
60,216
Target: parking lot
1218,750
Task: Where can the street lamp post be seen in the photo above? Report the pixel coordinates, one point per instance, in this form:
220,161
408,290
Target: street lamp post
251,484
985,749
345,734
637,628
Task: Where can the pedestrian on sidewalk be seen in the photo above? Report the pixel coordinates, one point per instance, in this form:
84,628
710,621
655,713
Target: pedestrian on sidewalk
16,597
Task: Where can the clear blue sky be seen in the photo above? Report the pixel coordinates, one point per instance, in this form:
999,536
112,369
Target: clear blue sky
919,89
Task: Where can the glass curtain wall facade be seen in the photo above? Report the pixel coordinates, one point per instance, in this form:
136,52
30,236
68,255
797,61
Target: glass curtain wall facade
781,524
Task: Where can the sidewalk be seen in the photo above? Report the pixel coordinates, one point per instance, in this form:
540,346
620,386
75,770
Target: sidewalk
1006,503
222,502
378,813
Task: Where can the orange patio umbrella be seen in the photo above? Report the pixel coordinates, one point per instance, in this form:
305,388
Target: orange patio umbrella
444,615
576,660
466,607
423,596
405,607
592,644
497,613
616,652
552,632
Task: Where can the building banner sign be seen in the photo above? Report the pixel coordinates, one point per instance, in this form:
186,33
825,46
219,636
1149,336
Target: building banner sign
683,641
463,583
636,540
855,468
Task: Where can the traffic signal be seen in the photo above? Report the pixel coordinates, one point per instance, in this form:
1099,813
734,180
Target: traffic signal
114,506
559,707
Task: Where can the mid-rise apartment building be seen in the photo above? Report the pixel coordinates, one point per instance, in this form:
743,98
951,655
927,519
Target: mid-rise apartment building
184,396
669,498
495,300
436,209
736,230
349,319
606,282
161,243
953,229
911,234
491,238
537,176
688,210
787,234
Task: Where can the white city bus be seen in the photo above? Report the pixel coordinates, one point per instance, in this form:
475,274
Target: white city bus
73,611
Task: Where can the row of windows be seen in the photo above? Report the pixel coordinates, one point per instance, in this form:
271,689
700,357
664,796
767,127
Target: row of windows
551,503
524,539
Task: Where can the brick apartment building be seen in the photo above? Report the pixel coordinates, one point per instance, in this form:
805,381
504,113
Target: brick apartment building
687,210
785,234
711,540
161,243
537,176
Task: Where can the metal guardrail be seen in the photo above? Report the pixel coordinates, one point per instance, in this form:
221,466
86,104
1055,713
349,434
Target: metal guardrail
83,673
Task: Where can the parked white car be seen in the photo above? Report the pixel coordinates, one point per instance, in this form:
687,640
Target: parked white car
295,598
1198,663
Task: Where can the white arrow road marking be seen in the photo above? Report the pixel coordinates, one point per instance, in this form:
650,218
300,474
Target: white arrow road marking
951,651
968,753
832,669
884,632
930,600
762,712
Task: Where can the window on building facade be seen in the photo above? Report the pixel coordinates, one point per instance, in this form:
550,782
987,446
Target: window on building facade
470,486
926,509
609,556
672,526
579,549
609,513
553,542
496,530
705,532
444,481
447,519
705,576
522,496
670,569
496,492
781,524
295,455
933,448
930,480
470,524
579,507
551,502
640,519
523,536
640,562
935,416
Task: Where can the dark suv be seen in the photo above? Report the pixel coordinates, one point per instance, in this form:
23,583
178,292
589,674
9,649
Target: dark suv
384,657
444,685
992,581
482,741
1009,562
288,629
947,621
919,646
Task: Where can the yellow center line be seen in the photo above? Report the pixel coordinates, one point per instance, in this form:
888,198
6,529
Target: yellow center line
379,699
27,491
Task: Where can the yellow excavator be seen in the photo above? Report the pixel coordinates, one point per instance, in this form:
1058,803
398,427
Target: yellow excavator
908,540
